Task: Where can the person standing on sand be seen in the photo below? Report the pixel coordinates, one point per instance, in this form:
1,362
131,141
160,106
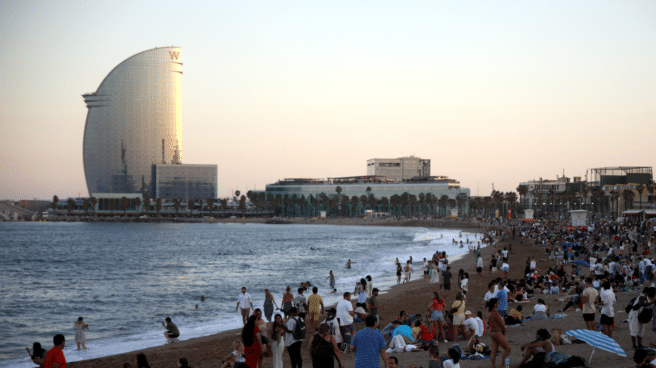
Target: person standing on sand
79,328
373,304
479,266
344,314
55,356
315,308
588,299
368,343
607,298
446,276
252,340
269,302
399,269
497,332
300,303
246,303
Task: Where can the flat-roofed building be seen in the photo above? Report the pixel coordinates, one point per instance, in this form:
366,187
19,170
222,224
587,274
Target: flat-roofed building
184,181
398,168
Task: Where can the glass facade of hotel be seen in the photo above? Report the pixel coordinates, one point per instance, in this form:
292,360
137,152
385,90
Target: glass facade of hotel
197,182
134,122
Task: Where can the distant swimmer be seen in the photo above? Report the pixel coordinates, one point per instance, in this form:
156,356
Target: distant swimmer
348,264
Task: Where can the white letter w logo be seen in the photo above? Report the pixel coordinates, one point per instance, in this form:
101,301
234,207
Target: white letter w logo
174,54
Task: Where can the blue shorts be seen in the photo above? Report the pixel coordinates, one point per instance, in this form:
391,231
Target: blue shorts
437,316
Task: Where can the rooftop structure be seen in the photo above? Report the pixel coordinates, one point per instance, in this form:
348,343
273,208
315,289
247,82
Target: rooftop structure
398,168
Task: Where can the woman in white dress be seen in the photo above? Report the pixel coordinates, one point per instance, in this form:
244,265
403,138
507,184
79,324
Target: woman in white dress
276,331
79,328
435,274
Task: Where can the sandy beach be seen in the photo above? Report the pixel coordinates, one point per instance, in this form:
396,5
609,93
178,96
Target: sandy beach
413,297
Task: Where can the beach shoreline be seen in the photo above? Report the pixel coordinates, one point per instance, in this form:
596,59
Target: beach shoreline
413,298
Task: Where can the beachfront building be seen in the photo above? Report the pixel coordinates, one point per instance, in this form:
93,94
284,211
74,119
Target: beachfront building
377,187
134,123
398,169
197,182
541,190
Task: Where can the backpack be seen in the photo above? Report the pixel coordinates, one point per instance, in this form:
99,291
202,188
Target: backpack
299,329
629,306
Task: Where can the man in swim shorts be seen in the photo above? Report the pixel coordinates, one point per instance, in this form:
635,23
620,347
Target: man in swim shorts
246,303
315,307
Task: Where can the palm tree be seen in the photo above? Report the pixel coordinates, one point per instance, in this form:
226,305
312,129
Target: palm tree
176,206
511,198
628,196
210,204
85,206
55,200
615,196
70,205
94,202
191,203
146,203
640,188
443,202
522,190
242,204
158,205
137,202
338,189
650,189
125,203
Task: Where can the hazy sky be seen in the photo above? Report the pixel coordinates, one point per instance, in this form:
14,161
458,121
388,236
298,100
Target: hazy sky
491,91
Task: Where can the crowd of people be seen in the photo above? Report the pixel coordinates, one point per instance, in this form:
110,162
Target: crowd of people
591,265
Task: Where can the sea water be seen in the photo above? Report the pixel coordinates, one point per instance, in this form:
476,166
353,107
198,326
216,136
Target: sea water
125,278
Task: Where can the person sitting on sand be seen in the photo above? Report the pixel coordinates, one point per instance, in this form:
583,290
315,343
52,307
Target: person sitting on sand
434,354
454,359
183,363
538,348
540,311
172,331
515,316
236,358
142,362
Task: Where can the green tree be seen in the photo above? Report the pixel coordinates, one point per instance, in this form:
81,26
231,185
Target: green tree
191,203
640,189
94,202
628,196
125,203
55,200
443,202
85,206
176,206
70,205
210,204
650,189
523,191
158,205
146,203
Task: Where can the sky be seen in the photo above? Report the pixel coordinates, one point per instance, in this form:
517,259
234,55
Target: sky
492,92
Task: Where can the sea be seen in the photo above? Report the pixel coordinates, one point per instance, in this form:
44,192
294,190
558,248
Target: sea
124,279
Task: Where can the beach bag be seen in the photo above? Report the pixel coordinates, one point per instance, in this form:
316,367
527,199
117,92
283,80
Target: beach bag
299,329
646,315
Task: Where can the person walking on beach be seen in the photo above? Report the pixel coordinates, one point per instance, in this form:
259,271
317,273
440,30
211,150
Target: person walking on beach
323,349
300,303
458,308
497,332
373,304
269,302
291,343
399,270
277,331
345,315
79,328
479,266
55,357
252,340
368,343
172,331
246,303
287,301
315,308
